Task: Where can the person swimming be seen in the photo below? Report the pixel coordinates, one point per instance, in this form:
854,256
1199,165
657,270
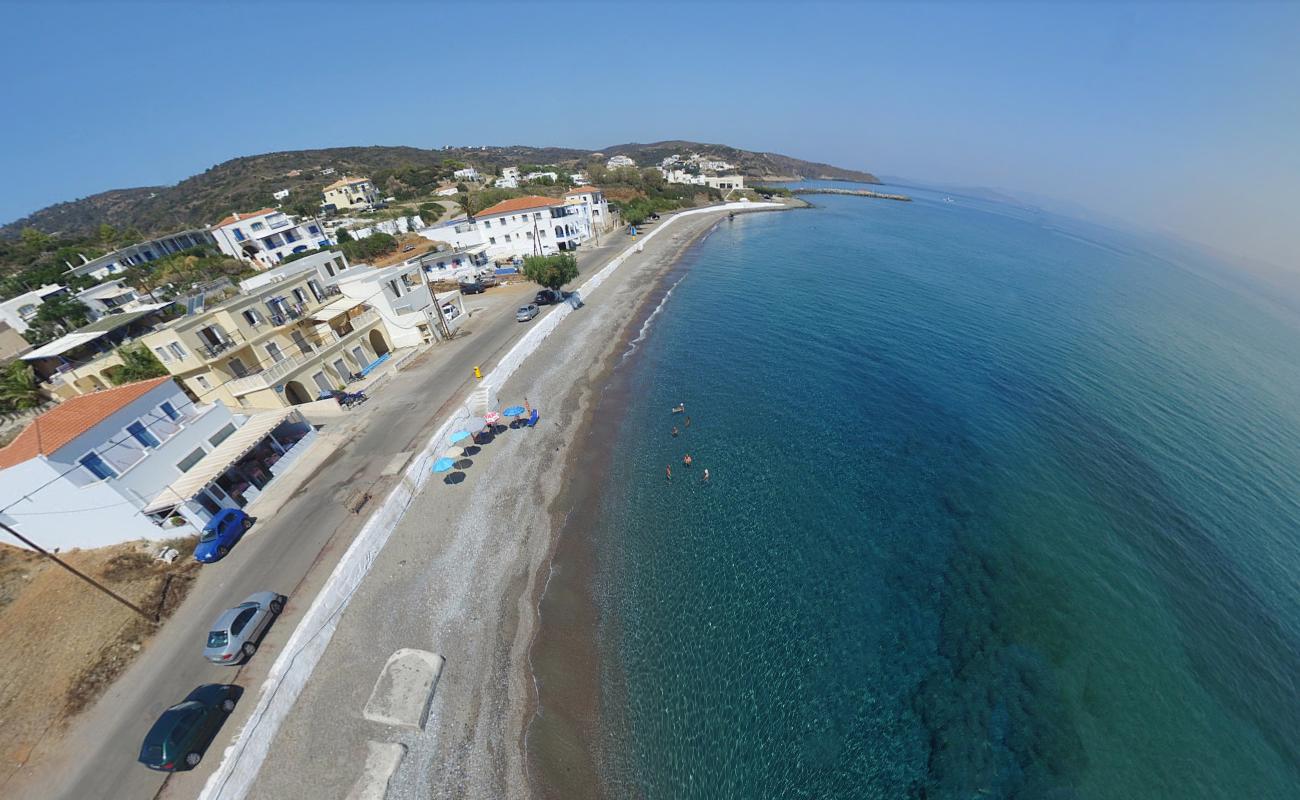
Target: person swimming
687,460
706,475
688,422
669,469
675,431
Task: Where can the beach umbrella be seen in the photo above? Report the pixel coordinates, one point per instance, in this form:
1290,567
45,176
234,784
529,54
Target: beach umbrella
491,417
514,411
443,464
454,453
459,436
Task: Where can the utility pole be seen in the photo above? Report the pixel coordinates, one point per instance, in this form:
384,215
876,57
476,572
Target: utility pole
437,307
101,587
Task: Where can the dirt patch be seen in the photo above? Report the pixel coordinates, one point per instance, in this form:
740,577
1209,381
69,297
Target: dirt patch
65,642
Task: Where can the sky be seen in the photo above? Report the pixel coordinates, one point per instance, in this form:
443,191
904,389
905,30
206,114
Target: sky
1181,118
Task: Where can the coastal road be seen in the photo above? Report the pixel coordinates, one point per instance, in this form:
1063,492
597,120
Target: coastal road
291,551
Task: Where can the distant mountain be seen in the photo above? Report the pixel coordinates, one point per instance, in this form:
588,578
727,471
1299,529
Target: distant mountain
247,183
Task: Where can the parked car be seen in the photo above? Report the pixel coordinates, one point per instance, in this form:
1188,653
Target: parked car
184,731
548,297
525,313
471,287
487,281
234,637
220,534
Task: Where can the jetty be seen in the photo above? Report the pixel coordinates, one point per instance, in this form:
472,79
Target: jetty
855,193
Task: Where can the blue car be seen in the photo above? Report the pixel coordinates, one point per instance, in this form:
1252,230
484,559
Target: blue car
220,534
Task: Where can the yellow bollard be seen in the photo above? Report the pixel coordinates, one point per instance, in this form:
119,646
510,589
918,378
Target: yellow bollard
478,373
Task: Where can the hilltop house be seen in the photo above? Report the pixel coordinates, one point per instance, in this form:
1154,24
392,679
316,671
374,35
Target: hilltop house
620,161
20,311
466,174
80,474
266,236
142,253
348,193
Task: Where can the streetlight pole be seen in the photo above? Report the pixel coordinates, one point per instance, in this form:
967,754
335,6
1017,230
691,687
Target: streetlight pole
101,587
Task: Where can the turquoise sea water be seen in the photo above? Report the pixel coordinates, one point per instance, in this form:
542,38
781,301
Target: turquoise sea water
1002,506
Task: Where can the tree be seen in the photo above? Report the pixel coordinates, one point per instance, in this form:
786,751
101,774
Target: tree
342,235
138,364
551,271
18,390
65,310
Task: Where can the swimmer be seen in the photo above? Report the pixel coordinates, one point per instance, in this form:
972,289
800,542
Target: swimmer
680,408
706,475
688,421
669,469
675,431
686,459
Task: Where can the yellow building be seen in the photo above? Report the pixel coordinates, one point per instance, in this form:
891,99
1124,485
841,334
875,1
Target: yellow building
281,344
346,193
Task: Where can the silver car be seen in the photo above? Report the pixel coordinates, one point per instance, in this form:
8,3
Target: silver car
234,636
526,313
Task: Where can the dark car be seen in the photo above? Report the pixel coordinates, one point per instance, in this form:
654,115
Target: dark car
179,737
220,534
548,297
471,287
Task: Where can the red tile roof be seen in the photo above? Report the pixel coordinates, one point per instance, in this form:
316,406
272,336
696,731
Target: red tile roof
71,418
518,204
241,217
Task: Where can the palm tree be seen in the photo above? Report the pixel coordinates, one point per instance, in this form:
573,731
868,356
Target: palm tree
18,387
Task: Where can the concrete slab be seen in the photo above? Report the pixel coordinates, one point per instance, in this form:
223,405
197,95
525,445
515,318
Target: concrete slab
397,462
382,760
401,695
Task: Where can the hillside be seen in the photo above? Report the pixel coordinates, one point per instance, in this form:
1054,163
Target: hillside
247,183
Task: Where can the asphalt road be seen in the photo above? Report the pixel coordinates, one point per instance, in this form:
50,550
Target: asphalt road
291,552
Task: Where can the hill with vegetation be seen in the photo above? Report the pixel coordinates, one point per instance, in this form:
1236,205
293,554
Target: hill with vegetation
248,183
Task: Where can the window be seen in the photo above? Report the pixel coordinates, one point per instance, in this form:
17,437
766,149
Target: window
538,215
530,234
96,466
257,226
507,237
162,354
252,317
330,269
170,411
487,223
142,435
492,240
187,463
221,435
313,230
299,295
242,620
202,382
177,350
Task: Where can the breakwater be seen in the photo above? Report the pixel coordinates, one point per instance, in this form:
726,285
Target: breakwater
855,193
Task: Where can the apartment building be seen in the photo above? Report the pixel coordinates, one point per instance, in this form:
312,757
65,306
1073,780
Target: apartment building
278,345
87,359
142,253
402,299
20,311
267,236
348,193
110,297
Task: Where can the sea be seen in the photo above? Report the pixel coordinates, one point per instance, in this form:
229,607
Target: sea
1000,505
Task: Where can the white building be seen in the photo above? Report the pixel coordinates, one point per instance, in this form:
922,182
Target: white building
521,226
725,182
594,211
534,176
142,253
110,297
447,191
21,310
506,183
401,296
265,237
466,174
281,194
327,264
620,161
81,474
578,179
682,176
510,173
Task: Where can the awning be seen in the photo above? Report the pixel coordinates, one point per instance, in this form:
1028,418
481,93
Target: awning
329,312
62,345
210,467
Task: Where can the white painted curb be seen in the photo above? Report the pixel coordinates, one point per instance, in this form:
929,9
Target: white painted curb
241,762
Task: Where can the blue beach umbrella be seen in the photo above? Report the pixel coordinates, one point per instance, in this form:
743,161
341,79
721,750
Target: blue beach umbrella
513,411
443,464
459,436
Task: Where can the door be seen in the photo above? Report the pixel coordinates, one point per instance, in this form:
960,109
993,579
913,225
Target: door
273,350
237,367
322,382
360,355
342,369
301,341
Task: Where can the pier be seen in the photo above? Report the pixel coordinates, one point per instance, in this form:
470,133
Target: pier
856,193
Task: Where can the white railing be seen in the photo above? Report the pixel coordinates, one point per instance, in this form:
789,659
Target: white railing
281,369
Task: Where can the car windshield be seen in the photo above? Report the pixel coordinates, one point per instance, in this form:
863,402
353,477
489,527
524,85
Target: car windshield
218,639
209,535
523,309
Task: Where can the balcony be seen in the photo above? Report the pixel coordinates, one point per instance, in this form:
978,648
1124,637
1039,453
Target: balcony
281,370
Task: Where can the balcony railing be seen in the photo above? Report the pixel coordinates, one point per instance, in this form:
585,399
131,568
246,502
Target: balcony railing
280,370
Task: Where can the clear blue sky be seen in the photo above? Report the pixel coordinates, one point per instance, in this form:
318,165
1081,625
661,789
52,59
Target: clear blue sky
1179,117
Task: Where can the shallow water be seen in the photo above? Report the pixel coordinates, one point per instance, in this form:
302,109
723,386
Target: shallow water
1001,506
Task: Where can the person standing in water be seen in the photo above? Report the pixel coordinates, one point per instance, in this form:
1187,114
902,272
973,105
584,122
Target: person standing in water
675,431
669,469
706,475
687,460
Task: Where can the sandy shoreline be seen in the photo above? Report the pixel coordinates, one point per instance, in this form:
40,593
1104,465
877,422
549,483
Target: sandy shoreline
463,573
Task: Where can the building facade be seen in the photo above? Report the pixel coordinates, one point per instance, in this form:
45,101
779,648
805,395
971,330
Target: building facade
348,193
20,311
143,253
521,226
267,236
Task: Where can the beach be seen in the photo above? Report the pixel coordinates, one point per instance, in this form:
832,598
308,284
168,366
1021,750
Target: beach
463,573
